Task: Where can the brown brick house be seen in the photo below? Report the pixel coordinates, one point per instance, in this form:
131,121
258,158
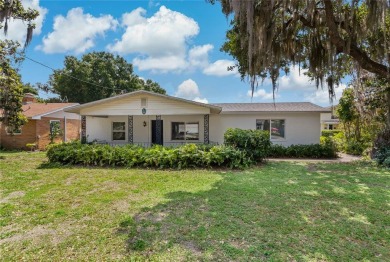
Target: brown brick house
37,129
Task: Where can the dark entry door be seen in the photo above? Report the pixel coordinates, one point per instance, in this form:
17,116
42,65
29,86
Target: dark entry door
157,132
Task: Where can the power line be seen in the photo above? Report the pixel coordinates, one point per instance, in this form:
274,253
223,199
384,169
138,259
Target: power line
39,63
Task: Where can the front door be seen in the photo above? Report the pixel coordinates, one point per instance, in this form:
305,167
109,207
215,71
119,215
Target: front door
157,133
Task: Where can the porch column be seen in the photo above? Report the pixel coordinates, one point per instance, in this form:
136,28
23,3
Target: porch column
130,126
83,129
206,129
158,130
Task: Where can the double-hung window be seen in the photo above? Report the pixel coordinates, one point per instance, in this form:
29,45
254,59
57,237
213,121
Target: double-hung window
276,127
185,131
118,131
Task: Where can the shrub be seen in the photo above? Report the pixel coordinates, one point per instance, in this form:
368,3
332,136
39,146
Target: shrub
382,156
304,151
186,156
330,133
255,143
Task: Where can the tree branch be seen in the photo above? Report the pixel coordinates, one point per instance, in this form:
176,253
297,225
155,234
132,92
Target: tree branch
358,54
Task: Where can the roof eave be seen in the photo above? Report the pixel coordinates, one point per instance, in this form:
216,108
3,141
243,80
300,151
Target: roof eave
78,108
38,117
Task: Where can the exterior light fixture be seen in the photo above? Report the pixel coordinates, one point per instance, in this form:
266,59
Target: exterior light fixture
144,123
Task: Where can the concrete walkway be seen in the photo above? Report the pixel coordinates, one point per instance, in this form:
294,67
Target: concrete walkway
343,158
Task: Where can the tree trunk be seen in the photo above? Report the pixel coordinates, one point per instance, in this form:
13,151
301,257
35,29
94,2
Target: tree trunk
388,109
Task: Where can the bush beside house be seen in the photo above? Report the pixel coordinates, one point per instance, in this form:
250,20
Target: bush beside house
304,151
187,156
242,149
255,143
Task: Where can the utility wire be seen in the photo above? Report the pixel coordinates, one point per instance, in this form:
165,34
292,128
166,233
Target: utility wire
39,63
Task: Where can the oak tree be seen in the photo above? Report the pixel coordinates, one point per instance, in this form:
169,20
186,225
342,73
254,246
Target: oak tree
11,90
95,76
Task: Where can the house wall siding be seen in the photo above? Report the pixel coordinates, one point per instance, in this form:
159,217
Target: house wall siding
100,128
155,106
300,128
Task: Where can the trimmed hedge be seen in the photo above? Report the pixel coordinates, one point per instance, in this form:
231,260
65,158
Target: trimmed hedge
255,143
187,156
303,151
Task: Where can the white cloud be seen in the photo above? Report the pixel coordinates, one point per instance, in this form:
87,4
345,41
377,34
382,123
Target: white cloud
262,94
220,68
76,32
198,56
201,100
321,96
17,30
134,17
160,64
189,89
296,79
159,39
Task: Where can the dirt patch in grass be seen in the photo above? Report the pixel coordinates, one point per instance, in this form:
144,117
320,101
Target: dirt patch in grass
39,234
312,167
192,247
13,195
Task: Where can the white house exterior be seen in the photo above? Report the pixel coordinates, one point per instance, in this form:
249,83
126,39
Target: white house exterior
329,121
145,118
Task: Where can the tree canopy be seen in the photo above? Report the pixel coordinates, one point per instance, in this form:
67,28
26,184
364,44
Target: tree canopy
95,76
11,90
331,38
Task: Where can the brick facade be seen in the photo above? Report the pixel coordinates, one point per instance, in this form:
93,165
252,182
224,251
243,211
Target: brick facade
16,141
37,131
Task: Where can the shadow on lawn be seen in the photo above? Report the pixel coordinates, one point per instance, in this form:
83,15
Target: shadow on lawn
280,212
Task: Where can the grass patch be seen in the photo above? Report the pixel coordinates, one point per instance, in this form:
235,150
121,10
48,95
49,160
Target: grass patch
280,211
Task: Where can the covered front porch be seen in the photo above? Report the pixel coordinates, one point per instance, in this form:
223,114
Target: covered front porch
145,118
147,130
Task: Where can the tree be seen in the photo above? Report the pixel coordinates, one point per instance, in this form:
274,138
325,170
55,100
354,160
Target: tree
330,38
11,90
28,88
95,76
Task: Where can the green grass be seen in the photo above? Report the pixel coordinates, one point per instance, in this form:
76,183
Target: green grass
280,211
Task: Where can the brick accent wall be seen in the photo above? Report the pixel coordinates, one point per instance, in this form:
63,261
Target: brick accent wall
43,130
73,129
37,131
19,141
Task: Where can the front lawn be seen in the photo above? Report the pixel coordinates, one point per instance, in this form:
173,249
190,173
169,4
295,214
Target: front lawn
279,211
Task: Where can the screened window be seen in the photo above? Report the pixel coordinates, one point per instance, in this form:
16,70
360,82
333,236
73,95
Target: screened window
276,127
118,131
185,131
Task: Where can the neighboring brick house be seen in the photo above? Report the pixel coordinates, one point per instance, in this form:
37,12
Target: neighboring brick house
37,129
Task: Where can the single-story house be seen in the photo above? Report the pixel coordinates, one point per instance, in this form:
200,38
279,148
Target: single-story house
143,118
41,118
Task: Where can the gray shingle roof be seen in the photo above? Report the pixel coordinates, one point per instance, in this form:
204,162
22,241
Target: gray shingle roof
272,107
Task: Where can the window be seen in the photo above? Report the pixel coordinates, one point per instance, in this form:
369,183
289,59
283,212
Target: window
54,126
276,127
185,131
16,131
118,131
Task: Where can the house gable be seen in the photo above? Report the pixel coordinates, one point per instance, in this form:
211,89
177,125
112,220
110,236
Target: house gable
143,104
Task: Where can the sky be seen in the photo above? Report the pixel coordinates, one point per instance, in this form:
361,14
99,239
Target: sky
174,43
